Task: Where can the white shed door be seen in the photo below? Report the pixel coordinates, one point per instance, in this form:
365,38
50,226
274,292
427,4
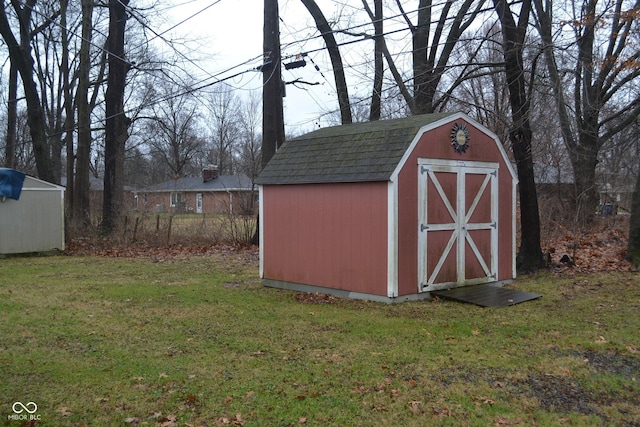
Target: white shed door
457,224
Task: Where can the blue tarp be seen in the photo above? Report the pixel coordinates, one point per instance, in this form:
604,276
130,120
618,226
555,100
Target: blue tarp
11,183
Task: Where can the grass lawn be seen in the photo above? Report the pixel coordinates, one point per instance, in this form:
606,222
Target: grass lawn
196,341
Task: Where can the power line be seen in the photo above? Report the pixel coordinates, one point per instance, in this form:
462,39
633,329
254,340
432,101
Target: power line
206,83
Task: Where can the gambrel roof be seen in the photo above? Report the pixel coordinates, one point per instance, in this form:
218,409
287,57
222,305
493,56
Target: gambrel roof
356,152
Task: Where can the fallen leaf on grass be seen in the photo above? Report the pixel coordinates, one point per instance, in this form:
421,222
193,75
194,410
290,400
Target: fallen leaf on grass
302,420
484,401
169,421
501,421
64,411
441,412
236,420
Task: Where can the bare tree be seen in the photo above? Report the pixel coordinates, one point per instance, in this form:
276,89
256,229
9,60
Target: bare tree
249,150
225,125
513,34
12,118
433,46
20,56
336,59
436,33
378,57
172,131
594,73
485,94
78,171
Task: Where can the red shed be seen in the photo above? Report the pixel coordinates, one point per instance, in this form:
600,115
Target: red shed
389,210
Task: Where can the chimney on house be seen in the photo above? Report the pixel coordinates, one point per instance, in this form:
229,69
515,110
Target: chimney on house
209,173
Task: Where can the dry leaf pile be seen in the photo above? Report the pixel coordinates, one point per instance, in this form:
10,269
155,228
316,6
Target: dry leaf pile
601,248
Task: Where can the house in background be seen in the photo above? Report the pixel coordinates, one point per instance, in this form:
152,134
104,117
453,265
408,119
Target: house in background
96,195
556,190
210,193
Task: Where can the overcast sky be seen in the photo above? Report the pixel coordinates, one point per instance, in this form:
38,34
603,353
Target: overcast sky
229,41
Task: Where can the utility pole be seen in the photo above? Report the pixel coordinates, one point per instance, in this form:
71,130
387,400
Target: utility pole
272,86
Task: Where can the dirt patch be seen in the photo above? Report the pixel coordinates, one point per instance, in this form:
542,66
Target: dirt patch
615,363
559,394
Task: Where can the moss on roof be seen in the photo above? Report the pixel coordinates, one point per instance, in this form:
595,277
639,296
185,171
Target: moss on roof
349,153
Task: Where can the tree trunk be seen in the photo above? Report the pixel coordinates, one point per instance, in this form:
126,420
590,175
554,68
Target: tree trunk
12,118
421,66
117,124
530,253
378,65
81,206
20,57
584,159
432,47
336,60
381,46
69,120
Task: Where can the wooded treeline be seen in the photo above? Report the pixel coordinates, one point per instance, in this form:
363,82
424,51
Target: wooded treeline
556,81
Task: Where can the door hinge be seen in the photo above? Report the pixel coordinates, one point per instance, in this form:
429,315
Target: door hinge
423,169
493,225
494,173
423,227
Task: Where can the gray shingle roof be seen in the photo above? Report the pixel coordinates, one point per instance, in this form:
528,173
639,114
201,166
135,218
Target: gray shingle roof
349,153
221,183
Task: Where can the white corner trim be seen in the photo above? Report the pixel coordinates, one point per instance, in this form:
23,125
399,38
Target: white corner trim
261,226
392,238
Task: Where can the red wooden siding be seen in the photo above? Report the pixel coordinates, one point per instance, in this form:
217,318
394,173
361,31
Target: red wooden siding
333,235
